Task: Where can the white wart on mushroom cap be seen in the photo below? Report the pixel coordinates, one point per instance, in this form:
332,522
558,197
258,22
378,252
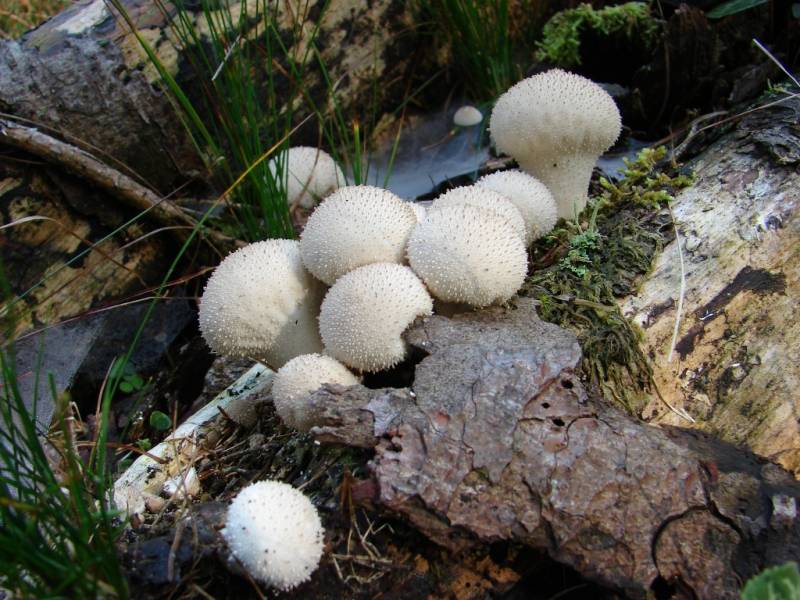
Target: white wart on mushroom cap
353,227
300,377
275,532
366,312
469,255
485,198
311,174
556,124
260,302
531,197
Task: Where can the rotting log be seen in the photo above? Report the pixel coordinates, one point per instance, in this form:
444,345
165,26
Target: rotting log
85,77
734,365
499,440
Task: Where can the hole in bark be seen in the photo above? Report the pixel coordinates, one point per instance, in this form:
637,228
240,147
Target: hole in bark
558,422
400,376
545,405
662,589
567,384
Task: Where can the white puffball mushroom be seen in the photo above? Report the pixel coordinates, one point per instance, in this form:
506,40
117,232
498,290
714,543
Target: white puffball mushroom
485,198
365,313
556,125
353,227
531,197
466,254
311,174
260,302
300,377
467,116
275,532
419,211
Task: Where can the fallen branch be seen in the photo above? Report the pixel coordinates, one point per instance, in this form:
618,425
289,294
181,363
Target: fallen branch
120,186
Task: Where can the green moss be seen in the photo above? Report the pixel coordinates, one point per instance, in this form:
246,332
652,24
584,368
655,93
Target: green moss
561,37
585,267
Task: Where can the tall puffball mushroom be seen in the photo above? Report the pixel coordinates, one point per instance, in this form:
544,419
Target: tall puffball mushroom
311,174
300,377
366,312
275,532
260,302
531,197
467,255
556,124
485,198
353,227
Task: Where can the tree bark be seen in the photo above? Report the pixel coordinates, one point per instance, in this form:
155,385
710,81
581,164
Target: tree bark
498,440
735,363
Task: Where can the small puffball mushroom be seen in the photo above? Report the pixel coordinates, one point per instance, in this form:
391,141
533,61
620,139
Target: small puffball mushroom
469,255
311,174
531,197
467,116
300,377
275,532
556,124
485,198
260,302
356,226
365,313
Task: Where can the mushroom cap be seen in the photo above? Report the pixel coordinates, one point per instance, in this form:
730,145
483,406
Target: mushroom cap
467,116
260,302
311,174
485,198
366,311
275,532
353,227
469,255
300,377
554,112
531,197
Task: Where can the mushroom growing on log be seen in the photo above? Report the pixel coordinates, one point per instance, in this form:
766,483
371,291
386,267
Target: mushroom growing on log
499,440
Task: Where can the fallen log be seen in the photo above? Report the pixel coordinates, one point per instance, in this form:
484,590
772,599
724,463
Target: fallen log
498,439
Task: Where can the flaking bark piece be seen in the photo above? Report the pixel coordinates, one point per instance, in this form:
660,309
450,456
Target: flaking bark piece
499,440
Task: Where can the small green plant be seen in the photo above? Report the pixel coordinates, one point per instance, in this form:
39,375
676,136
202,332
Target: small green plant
160,421
561,36
776,583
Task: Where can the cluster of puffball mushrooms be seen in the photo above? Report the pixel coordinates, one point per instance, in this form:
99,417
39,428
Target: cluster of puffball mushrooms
335,304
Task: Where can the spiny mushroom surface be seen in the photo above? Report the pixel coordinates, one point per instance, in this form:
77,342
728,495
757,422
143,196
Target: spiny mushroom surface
311,174
556,124
366,311
300,377
469,255
353,227
260,302
419,211
485,198
275,532
531,197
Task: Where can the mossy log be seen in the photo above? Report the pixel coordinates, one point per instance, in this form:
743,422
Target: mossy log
734,366
498,440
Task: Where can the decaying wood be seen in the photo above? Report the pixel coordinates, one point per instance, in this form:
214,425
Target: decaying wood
499,440
86,76
735,364
118,185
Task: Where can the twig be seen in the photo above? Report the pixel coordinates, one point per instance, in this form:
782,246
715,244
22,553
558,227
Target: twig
107,178
682,292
